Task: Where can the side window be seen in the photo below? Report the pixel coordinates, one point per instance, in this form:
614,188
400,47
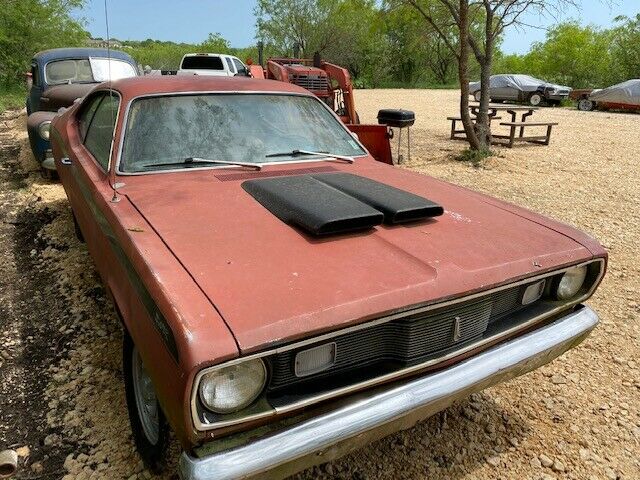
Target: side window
100,132
87,115
240,66
229,64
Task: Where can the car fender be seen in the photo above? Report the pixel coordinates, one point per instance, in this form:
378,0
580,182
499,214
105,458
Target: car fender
38,144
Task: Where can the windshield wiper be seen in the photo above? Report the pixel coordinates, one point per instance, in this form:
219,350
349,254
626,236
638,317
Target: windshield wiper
192,160
296,153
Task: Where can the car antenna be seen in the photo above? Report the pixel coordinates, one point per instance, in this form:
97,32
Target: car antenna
112,171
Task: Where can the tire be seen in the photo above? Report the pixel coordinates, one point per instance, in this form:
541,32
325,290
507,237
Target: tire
536,99
51,175
47,174
151,433
586,105
76,228
477,95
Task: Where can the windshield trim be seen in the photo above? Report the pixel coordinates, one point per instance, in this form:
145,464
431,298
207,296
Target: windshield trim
51,84
125,121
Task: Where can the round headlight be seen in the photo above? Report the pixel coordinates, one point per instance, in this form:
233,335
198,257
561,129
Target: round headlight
44,130
232,388
571,282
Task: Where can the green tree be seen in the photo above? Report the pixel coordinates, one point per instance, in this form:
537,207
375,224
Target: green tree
214,44
420,53
29,26
626,47
573,55
346,32
513,63
158,55
478,27
288,25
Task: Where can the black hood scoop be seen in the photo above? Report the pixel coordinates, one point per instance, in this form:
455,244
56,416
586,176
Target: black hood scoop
398,206
314,206
325,204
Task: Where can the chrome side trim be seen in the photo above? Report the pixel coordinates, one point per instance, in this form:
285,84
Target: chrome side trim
199,425
125,120
366,418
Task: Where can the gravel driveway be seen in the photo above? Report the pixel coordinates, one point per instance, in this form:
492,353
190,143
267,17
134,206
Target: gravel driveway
61,396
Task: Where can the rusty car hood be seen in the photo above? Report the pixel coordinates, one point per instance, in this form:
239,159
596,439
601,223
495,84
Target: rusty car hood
273,283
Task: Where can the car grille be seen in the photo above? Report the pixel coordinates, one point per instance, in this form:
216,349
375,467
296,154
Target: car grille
311,82
406,340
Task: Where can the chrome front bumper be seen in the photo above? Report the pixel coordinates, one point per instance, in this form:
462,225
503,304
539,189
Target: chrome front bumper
371,416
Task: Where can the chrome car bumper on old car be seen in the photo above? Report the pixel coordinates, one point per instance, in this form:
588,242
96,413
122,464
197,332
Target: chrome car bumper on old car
371,415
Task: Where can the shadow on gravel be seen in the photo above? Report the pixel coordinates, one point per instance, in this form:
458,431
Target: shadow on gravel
452,444
30,316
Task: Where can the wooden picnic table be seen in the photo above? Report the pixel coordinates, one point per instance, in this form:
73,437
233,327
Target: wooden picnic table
515,124
513,110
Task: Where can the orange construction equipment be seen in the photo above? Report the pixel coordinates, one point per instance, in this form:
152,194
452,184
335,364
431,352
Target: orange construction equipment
332,84
327,81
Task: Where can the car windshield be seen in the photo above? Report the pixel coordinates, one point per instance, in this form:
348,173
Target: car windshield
87,70
253,128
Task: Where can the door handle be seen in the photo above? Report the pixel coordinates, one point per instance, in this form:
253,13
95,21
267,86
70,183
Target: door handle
65,161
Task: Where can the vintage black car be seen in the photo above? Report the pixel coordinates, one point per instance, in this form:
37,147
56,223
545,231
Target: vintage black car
57,78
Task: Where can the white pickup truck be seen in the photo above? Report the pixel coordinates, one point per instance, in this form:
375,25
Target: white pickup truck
213,64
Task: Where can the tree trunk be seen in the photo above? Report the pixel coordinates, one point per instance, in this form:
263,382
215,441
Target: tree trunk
483,127
463,73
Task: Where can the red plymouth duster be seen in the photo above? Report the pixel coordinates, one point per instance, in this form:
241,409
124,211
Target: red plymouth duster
286,298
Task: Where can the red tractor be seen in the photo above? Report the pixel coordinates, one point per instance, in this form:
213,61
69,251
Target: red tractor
332,84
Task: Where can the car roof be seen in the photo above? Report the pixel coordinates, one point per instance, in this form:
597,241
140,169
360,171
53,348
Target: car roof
61,53
205,54
156,84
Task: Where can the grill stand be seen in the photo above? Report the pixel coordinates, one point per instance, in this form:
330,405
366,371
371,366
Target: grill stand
399,119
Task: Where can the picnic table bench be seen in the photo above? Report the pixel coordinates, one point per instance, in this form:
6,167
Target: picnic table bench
461,134
539,139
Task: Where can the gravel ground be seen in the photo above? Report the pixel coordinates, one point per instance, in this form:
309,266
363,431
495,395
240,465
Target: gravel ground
62,399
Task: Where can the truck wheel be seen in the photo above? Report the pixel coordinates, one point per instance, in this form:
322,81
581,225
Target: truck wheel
585,105
536,99
148,423
477,95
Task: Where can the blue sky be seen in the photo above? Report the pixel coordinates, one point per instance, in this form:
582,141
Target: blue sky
192,20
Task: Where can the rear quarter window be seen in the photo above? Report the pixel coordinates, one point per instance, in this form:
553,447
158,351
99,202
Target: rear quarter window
229,64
